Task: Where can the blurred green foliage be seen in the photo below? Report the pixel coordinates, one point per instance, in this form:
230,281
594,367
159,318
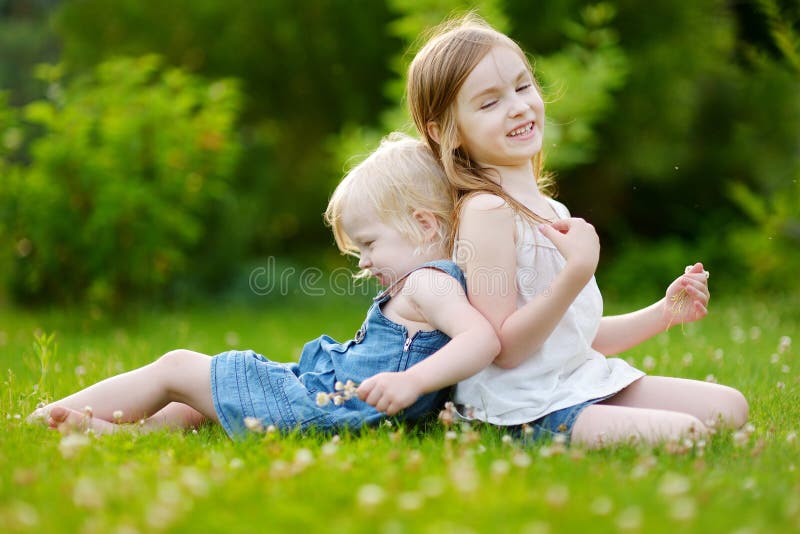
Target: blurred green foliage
674,127
129,163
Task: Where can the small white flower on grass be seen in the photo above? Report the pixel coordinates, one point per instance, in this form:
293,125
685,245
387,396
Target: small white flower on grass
774,358
784,344
740,438
271,429
629,519
601,505
117,416
231,339
536,527
86,494
500,468
521,460
556,496
687,359
711,378
755,332
737,335
450,435
780,385
410,501
464,476
71,444
791,437
236,463
370,495
303,458
719,354
80,370
253,424
323,398
431,486
648,363
785,368
683,509
329,448
673,485
506,439
193,480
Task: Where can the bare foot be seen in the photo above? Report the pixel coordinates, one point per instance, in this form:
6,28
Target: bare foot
67,420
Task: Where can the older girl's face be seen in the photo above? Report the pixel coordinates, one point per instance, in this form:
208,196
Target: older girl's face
499,112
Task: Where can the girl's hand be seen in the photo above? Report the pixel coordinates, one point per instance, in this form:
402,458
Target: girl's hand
389,392
687,297
577,241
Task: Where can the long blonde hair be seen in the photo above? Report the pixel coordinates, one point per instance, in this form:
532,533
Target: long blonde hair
434,78
402,175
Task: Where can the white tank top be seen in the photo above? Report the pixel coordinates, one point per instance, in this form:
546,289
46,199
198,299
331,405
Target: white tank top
565,370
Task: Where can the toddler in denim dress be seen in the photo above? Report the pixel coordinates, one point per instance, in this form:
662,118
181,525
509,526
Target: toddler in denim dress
246,384
420,335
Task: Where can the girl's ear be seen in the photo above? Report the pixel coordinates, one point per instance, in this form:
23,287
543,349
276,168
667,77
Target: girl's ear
433,131
428,223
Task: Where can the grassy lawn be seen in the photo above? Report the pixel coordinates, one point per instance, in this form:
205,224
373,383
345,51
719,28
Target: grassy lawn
389,479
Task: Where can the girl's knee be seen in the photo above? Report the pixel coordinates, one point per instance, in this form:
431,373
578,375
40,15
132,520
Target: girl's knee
732,407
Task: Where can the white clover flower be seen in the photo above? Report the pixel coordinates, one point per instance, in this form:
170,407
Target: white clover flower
303,458
601,505
673,485
630,519
648,363
521,460
500,468
71,444
370,495
323,399
117,416
506,439
683,509
410,501
557,496
784,344
253,424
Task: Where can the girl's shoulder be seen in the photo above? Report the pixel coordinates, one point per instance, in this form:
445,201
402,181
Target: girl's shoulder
560,209
483,202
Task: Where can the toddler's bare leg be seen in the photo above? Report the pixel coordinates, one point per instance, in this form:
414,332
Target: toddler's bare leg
602,424
710,403
180,376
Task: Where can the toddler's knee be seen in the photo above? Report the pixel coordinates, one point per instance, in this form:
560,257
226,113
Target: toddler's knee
173,358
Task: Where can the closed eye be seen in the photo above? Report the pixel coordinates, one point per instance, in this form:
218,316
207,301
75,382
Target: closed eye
488,104
524,87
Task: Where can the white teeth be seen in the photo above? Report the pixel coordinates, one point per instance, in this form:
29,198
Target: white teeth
523,130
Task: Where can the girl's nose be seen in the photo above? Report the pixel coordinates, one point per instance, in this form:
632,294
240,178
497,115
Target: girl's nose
363,262
518,105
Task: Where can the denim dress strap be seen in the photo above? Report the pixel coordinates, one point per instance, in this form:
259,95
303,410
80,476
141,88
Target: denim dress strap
446,266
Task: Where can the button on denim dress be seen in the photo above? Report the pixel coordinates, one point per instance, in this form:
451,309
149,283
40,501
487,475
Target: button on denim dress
246,384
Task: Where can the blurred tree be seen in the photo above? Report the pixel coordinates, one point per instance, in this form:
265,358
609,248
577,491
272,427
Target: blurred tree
25,40
305,67
125,182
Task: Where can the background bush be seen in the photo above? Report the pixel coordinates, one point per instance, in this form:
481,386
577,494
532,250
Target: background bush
678,122
129,170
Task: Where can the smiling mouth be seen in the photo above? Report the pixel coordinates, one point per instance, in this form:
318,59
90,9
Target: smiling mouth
521,130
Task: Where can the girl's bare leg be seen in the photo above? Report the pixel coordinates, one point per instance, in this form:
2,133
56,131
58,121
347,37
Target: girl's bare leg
175,389
710,403
603,424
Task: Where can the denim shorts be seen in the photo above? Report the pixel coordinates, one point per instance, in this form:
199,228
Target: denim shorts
558,423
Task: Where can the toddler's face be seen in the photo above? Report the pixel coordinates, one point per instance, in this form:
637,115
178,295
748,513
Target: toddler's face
383,250
499,112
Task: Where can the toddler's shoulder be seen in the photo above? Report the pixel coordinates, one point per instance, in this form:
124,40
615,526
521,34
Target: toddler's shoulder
560,208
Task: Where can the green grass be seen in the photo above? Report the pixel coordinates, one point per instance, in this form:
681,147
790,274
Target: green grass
388,479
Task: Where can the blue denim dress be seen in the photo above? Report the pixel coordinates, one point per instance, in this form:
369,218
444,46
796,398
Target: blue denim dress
246,384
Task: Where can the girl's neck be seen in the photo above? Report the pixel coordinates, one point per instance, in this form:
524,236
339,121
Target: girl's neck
520,183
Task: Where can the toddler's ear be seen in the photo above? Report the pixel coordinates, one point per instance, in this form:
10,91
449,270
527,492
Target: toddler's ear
427,220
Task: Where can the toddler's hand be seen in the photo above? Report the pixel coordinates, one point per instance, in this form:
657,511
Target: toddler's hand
687,297
577,241
389,392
